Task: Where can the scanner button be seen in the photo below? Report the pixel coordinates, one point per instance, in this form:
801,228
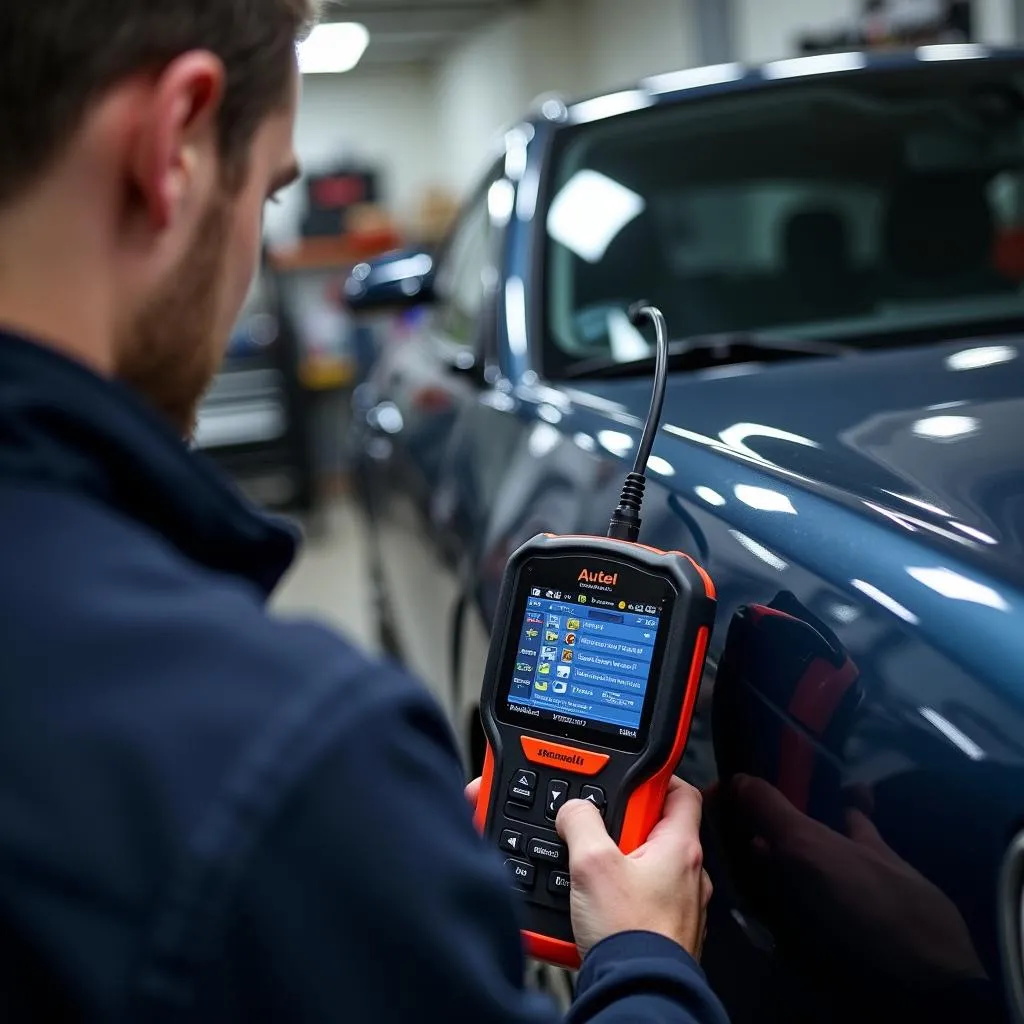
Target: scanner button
511,842
543,849
558,755
523,874
523,787
558,791
558,883
594,795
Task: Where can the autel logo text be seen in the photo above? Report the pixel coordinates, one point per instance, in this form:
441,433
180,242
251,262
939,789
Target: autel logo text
608,579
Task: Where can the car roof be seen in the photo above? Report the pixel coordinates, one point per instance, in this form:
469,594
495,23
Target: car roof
688,84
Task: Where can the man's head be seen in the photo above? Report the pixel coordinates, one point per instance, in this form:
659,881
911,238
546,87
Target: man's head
139,142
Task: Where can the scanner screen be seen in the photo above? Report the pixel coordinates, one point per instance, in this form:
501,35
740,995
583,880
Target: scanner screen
585,654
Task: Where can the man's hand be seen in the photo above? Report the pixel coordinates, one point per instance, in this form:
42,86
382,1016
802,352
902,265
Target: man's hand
872,904
662,887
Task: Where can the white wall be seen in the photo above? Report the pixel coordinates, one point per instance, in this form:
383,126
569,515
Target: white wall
995,21
487,83
628,41
768,31
573,47
385,118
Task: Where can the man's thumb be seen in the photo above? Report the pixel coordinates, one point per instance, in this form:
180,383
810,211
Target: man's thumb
580,824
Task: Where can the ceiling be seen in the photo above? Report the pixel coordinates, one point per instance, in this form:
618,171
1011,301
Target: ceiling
403,31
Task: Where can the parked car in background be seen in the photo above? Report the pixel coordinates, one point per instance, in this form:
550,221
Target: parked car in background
838,246
253,420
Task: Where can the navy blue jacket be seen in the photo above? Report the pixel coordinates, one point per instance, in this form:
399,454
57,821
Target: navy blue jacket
207,814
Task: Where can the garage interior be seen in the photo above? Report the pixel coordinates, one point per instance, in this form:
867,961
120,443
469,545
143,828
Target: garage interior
421,113
645,379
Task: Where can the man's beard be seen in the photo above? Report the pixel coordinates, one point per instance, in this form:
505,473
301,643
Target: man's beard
172,354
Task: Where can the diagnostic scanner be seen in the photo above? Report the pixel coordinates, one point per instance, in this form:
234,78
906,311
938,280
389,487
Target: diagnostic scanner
592,675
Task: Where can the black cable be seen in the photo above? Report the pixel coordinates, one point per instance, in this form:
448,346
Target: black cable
625,522
637,313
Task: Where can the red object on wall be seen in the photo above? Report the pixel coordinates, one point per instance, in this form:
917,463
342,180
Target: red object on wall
342,191
1009,253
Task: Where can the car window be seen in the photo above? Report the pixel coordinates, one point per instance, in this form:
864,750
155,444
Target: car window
466,272
854,208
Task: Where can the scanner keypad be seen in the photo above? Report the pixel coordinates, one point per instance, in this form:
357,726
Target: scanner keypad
533,801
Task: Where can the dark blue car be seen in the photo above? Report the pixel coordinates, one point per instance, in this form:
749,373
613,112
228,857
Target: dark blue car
837,243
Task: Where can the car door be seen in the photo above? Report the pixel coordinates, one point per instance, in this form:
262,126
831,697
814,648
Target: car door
424,385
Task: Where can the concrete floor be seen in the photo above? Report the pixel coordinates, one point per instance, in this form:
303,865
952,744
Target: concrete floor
329,581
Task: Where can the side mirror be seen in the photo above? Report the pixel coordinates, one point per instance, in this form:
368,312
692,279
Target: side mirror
396,281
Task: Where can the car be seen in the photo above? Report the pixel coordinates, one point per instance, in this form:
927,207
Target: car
837,243
253,421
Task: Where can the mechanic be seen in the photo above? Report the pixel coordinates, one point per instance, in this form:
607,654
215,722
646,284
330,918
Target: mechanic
207,813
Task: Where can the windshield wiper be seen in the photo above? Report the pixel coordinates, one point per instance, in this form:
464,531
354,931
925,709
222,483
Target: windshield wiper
706,350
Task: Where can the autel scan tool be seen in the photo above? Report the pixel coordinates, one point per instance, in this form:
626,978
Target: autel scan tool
593,671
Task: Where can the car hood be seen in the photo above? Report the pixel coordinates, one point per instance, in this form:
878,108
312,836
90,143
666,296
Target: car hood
931,438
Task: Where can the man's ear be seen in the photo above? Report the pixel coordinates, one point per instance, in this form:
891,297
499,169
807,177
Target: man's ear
176,150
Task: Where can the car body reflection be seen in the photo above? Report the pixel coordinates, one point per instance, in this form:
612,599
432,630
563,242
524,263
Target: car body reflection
829,869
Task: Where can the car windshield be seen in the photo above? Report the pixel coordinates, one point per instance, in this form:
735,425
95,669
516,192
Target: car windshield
874,208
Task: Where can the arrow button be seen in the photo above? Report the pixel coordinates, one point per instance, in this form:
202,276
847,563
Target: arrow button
594,795
558,791
521,788
511,842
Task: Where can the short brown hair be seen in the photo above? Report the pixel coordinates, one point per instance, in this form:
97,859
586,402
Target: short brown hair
58,56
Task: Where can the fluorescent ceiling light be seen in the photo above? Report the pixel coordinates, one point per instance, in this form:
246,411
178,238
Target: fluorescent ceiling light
764,499
610,106
515,315
946,428
760,551
589,212
516,142
626,342
882,598
976,358
738,434
501,201
952,51
333,48
543,440
615,441
662,466
711,496
953,734
958,587
819,64
695,78
411,266
977,535
927,506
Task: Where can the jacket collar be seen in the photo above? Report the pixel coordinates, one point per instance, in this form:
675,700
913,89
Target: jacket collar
64,426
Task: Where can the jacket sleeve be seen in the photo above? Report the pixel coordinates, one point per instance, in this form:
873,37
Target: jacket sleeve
373,898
